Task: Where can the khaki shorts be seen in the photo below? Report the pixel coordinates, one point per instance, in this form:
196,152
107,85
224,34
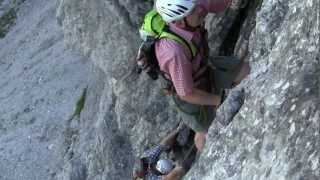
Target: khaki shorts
200,117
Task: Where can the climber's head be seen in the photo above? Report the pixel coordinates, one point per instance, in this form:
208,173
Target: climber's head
184,13
164,166
172,10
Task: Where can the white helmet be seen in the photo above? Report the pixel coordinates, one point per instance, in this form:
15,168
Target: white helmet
171,10
164,166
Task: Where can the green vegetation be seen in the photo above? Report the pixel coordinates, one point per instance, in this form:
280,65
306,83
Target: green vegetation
259,4
6,21
79,105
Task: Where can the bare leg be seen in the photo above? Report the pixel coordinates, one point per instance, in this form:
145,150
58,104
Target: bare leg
176,174
170,139
200,140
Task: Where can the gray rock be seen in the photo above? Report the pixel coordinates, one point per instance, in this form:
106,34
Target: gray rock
268,127
276,133
258,139
40,84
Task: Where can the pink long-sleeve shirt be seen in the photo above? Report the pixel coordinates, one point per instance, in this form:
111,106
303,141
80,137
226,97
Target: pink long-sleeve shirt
175,60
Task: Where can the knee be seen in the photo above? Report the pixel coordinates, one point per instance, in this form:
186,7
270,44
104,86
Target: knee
199,140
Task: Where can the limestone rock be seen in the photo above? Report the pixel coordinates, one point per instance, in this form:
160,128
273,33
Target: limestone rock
267,128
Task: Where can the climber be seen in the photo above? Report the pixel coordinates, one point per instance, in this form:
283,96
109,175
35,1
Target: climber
197,88
151,167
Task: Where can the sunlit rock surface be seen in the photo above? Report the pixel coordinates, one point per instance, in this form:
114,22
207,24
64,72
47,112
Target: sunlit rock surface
276,133
40,84
268,127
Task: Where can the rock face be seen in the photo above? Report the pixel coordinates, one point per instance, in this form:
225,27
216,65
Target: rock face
275,134
40,84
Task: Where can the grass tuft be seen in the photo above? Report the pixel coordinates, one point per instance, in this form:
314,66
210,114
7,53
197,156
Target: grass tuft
80,103
6,21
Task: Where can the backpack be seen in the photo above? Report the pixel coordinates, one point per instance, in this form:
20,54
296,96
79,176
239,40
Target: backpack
153,29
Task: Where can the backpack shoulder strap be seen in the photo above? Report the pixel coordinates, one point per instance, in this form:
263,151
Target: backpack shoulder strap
154,25
188,45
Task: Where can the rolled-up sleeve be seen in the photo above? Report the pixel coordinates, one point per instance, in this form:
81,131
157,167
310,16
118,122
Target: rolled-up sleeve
215,6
